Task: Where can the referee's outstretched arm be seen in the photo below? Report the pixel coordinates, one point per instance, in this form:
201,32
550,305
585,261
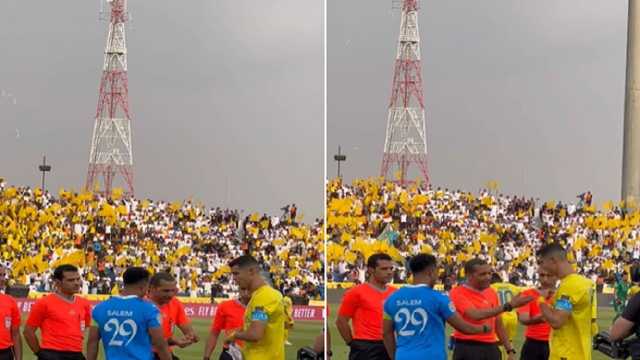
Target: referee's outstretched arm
458,323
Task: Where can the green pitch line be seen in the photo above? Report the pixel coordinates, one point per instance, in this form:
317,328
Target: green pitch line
341,351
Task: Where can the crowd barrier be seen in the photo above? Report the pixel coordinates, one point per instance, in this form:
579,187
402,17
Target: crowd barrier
207,311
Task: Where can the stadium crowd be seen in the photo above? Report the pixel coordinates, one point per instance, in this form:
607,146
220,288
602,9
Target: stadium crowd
103,236
370,216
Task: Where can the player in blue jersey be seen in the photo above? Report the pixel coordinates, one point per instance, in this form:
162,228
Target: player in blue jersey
127,324
415,316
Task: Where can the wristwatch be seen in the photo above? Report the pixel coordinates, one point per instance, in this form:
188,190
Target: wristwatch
511,351
507,307
485,328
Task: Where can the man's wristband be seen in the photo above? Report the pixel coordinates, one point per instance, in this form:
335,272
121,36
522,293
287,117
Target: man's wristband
507,307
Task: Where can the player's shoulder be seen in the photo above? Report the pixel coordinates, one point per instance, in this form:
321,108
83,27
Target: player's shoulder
529,292
576,282
82,301
8,300
358,289
267,293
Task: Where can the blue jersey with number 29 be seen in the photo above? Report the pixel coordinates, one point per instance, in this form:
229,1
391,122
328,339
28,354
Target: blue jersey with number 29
124,324
418,314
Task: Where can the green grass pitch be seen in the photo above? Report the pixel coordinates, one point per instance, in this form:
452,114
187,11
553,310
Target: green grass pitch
340,350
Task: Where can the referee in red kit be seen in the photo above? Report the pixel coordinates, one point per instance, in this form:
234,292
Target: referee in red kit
62,318
10,340
363,306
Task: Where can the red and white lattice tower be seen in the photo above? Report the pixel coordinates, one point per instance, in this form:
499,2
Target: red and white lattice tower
406,138
111,152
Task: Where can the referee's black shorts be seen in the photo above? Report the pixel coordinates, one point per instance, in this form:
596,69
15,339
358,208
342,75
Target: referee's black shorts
367,350
534,350
6,354
173,356
46,354
475,350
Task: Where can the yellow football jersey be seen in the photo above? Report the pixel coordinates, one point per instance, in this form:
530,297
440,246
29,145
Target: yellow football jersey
632,291
506,292
576,295
266,305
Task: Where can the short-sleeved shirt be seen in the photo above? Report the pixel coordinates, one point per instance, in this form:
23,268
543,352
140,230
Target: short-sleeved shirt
10,317
541,331
172,314
266,305
124,324
466,298
575,295
62,322
363,305
419,314
229,316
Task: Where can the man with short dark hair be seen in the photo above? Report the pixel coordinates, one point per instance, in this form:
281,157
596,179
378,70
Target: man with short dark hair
263,328
536,345
573,310
62,318
162,292
415,316
128,325
10,340
363,304
478,304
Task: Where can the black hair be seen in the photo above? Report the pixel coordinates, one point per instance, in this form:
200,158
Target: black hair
244,261
159,277
135,275
471,265
551,250
422,262
496,278
372,261
58,273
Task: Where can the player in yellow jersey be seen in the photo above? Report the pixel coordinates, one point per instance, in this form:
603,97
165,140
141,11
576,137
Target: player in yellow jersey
263,329
288,313
572,311
506,291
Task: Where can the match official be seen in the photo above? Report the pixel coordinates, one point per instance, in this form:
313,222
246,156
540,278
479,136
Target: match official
263,328
363,304
162,291
10,340
478,304
62,318
572,313
536,344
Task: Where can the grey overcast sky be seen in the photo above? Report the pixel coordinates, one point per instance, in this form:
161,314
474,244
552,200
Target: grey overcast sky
226,96
528,93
